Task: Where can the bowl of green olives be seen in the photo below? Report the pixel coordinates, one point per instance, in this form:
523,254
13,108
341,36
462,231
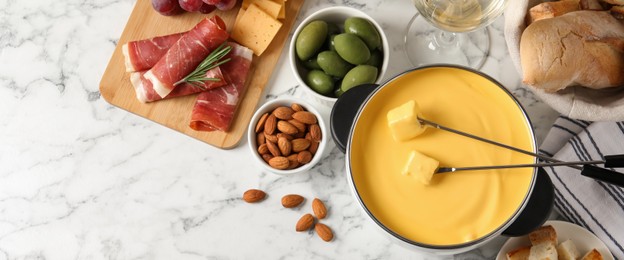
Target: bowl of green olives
335,49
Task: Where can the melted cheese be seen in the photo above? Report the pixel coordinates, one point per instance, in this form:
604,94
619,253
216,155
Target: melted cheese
458,207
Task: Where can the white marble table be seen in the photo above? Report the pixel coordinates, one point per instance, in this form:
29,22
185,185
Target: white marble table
82,179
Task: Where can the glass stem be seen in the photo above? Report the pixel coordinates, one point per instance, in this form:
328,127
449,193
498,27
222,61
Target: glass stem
443,39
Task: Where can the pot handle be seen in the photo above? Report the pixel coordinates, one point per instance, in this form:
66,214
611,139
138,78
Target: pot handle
344,111
538,208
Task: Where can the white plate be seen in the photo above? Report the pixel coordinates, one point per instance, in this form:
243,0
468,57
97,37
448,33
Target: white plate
583,239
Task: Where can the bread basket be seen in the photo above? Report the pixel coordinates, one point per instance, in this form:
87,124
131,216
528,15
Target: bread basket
575,102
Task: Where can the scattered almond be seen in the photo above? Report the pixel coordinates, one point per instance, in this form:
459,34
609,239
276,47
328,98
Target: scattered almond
291,200
284,146
287,128
279,162
253,195
296,107
304,117
300,144
284,113
261,121
304,157
304,223
324,232
270,124
319,209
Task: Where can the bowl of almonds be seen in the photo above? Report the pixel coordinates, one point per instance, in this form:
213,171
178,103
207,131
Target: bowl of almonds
287,136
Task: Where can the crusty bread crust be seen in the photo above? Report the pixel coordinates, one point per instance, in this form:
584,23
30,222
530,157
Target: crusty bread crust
592,255
545,234
521,253
579,48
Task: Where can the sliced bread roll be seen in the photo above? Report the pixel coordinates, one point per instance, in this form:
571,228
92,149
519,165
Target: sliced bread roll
545,234
543,251
519,254
567,250
579,48
592,255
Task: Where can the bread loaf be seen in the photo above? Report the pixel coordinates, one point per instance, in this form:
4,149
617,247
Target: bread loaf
579,48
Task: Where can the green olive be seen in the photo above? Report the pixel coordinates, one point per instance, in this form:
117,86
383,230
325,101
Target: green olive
312,64
361,74
332,64
331,45
320,82
364,29
376,58
310,39
351,48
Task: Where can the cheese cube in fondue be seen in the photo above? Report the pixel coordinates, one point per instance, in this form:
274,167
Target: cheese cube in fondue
421,167
403,121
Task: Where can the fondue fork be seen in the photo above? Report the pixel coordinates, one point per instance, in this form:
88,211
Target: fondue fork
543,157
588,169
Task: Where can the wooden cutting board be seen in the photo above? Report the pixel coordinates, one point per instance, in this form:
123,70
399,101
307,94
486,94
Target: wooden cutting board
175,113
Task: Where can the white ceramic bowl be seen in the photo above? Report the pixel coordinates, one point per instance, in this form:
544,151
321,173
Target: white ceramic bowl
337,15
270,106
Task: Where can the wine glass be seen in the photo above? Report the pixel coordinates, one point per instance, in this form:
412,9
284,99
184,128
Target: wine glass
451,31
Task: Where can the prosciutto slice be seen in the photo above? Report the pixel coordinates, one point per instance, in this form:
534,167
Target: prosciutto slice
214,109
143,54
188,52
145,90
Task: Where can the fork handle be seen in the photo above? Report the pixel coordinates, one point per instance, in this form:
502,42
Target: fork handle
602,174
614,161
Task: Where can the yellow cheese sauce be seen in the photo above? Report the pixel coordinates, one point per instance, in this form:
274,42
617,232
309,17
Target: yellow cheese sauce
455,208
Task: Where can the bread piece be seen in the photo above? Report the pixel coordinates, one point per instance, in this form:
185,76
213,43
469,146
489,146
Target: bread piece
591,5
552,9
519,254
567,250
578,48
617,11
545,234
543,251
592,255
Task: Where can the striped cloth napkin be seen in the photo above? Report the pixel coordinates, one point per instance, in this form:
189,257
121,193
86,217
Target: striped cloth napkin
594,205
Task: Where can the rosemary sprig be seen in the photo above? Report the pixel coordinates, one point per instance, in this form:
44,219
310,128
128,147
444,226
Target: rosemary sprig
213,60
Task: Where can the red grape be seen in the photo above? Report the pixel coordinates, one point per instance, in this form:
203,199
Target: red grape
191,5
206,8
225,5
167,7
212,2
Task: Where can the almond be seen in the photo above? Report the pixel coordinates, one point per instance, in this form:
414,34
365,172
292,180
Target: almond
291,200
300,144
261,121
279,162
263,149
267,157
319,209
305,223
300,126
270,138
284,146
296,107
270,124
260,139
324,232
287,128
284,113
293,158
289,137
313,147
253,195
304,157
315,133
273,149
304,117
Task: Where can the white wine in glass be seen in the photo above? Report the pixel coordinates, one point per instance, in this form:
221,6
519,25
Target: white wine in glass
451,31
